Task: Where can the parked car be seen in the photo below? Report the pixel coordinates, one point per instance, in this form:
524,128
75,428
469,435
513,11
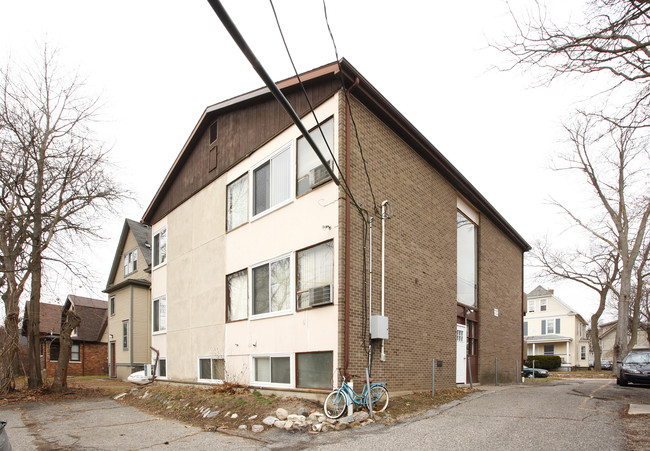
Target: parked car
4,439
635,368
606,365
539,372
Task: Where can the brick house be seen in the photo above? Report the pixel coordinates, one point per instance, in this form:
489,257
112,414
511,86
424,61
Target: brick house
259,257
129,300
89,341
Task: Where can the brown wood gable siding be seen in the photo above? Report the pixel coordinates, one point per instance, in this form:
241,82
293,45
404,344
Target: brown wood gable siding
240,131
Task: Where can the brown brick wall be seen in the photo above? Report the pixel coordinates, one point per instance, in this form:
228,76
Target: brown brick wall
93,361
420,264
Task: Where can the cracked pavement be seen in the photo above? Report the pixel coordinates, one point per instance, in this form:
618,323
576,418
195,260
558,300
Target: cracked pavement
572,414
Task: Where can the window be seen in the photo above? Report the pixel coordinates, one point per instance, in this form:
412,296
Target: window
525,328
271,182
211,369
271,287
315,275
549,349
160,248
274,370
314,370
583,352
55,347
311,172
74,352
466,248
237,295
551,326
111,305
159,314
162,368
131,262
542,305
531,306
237,203
125,335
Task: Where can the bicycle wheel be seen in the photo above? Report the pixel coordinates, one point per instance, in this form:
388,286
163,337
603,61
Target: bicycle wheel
335,404
379,397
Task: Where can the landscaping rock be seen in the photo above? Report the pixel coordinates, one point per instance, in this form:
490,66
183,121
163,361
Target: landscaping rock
303,411
295,417
243,427
347,420
317,427
234,415
252,417
279,424
288,424
206,412
361,415
257,428
212,414
340,426
269,420
326,427
316,416
281,413
121,395
355,424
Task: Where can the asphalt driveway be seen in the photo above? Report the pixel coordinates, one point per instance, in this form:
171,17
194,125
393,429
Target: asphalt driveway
566,415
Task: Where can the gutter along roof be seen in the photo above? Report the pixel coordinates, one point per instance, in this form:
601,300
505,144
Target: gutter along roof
381,107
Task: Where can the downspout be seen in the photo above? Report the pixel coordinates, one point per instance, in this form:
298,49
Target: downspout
346,331
131,330
524,309
383,269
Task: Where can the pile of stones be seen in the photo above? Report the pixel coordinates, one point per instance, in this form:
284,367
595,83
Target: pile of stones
314,422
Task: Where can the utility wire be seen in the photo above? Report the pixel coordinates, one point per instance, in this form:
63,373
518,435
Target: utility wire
347,99
346,187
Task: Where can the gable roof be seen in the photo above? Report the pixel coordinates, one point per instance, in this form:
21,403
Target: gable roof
94,317
374,101
49,316
142,234
539,291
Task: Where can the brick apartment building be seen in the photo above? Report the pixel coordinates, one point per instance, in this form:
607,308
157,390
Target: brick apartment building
258,257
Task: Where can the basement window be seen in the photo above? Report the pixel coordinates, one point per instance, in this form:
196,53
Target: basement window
311,172
314,370
272,370
211,369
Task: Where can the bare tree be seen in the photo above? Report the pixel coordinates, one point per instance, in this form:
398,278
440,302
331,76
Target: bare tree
596,269
613,160
65,184
72,320
611,39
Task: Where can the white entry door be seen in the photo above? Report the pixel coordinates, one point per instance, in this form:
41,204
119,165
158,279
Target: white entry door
461,354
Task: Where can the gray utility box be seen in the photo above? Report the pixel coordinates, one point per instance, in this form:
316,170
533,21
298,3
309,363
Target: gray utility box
379,327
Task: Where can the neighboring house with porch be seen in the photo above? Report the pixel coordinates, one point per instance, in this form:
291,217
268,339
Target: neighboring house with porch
258,256
129,300
88,355
552,327
607,338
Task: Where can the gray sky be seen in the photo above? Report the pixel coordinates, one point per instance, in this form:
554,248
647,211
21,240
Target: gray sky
159,64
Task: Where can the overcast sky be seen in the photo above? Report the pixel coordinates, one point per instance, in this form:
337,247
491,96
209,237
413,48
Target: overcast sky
158,64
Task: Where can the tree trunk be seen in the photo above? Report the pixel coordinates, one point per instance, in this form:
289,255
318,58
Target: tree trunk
34,339
622,326
72,320
595,341
9,352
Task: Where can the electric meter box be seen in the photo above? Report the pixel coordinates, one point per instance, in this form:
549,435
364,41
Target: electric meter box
379,327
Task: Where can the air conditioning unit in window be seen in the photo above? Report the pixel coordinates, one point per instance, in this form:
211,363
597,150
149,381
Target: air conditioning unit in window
320,295
319,175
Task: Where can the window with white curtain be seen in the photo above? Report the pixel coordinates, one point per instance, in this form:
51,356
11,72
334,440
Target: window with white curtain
272,181
315,275
237,203
271,286
237,297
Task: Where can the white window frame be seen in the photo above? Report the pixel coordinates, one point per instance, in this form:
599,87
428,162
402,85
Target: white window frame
583,352
160,359
531,303
125,334
292,288
154,250
543,305
129,262
161,330
211,357
292,371
247,175
289,147
550,322
544,350
78,352
111,305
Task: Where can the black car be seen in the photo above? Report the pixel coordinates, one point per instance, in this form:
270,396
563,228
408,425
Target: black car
539,372
635,368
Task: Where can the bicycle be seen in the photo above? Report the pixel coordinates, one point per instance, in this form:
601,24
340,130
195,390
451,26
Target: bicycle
338,400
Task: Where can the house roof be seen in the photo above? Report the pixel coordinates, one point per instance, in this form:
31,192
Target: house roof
49,316
142,234
539,291
94,317
381,107
609,327
549,338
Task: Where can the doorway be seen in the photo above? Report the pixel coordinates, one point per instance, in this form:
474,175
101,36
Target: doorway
112,356
461,354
